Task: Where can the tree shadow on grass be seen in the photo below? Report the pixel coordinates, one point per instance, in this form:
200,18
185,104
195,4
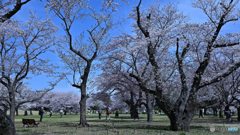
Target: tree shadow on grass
137,127
212,120
112,121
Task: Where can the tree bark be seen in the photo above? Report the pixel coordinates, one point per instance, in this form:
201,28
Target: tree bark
83,120
31,112
12,105
183,123
173,121
6,125
186,120
220,113
133,107
149,108
134,112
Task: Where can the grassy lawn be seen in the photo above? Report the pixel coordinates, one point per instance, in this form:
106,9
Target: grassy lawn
121,126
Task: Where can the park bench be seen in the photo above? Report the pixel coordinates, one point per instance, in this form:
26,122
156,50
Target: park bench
29,122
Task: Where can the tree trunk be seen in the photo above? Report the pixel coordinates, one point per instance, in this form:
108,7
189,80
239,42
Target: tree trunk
214,111
31,112
134,113
238,109
149,108
226,109
83,120
6,125
133,107
220,113
12,105
173,121
186,120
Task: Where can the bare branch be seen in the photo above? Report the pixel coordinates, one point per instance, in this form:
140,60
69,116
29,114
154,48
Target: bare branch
146,34
225,45
12,12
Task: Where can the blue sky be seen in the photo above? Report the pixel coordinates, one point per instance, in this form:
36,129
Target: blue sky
39,82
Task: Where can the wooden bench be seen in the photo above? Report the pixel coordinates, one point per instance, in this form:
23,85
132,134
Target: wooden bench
29,122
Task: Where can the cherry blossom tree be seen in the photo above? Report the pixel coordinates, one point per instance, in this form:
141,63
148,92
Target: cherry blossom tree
118,83
194,48
131,50
87,46
7,126
226,89
21,47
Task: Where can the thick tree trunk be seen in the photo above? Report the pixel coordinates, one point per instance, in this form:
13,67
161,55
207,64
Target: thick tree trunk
83,88
31,112
6,125
149,108
186,120
83,120
134,112
183,123
133,107
173,122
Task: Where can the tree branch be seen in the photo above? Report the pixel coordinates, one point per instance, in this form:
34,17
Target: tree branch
12,12
225,45
146,34
220,77
142,86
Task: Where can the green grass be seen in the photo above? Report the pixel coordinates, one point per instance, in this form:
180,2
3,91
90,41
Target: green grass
122,126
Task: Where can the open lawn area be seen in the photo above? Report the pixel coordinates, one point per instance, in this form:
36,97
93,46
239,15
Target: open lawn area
67,125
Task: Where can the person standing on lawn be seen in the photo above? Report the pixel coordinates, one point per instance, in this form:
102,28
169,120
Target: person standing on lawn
117,113
50,114
107,114
41,112
61,112
100,113
201,111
